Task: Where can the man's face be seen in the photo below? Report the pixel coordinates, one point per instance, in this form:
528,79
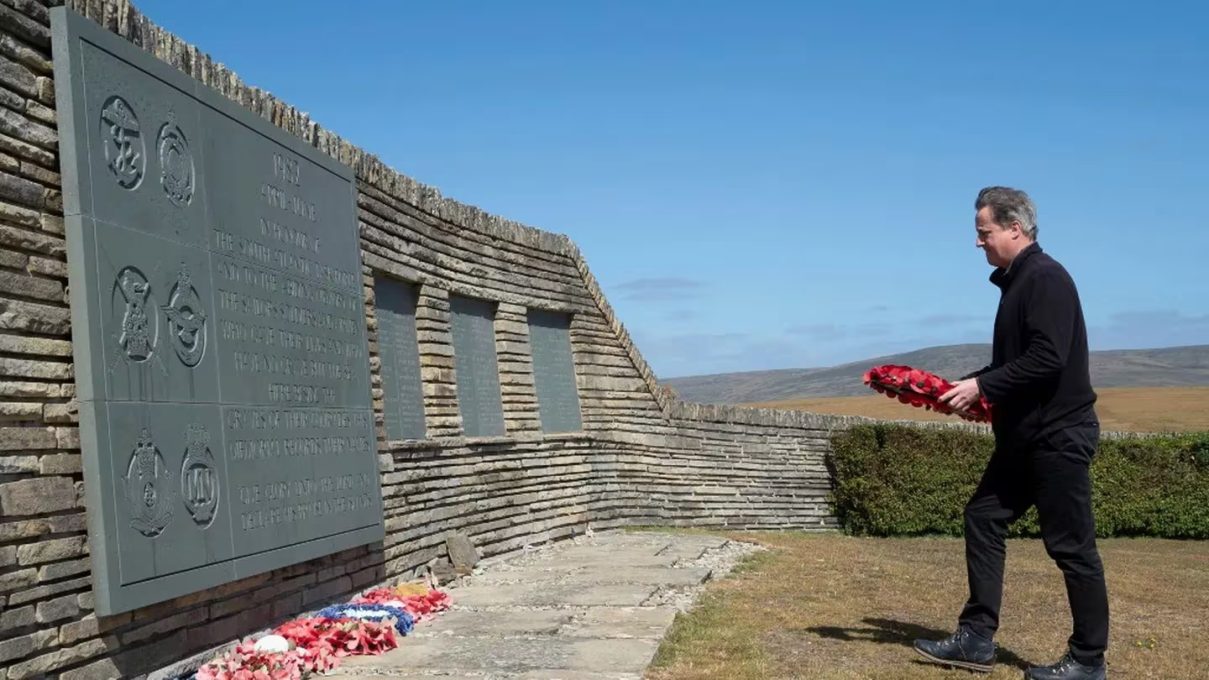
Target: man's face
1000,243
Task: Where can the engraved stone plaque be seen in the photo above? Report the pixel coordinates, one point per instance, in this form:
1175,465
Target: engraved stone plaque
554,371
478,377
400,352
218,330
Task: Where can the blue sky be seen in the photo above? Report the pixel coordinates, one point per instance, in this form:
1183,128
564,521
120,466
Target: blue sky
781,184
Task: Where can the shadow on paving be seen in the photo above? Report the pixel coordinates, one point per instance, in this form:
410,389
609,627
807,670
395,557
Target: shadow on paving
888,631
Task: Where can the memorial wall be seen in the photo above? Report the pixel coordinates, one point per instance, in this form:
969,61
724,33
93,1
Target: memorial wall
247,369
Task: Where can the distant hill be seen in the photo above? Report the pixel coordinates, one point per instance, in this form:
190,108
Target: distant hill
1165,367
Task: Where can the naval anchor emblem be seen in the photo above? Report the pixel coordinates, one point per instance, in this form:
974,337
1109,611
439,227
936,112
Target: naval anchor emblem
176,165
148,492
138,328
199,479
186,320
125,154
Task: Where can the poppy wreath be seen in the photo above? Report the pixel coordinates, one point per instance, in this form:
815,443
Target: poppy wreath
370,624
922,388
340,637
398,617
245,662
420,605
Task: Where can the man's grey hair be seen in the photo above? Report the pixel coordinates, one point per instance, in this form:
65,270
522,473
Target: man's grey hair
1009,205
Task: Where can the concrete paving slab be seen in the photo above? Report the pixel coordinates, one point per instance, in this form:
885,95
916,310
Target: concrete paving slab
551,594
661,575
517,655
595,608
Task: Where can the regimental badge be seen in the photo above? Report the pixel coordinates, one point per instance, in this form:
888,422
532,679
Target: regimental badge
122,137
199,478
186,320
148,488
176,164
137,338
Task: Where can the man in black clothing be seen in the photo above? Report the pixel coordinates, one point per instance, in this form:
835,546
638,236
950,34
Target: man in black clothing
1046,433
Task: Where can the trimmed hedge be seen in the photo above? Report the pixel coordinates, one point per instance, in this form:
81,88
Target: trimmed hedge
900,480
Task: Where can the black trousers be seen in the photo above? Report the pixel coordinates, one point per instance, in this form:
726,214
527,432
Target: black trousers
1054,477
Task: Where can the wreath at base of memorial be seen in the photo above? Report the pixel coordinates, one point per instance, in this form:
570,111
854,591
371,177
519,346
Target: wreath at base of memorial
921,388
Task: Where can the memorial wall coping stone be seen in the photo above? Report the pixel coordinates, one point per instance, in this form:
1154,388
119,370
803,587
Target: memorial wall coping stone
218,330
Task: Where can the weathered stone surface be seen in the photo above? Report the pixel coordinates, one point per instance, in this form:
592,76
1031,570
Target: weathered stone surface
51,551
40,111
32,368
23,149
23,54
68,437
60,464
15,465
13,260
57,659
46,89
104,669
38,173
53,224
17,76
21,438
19,22
10,388
11,100
16,214
59,608
53,572
48,267
17,125
15,410
12,531
38,495
17,617
62,413
14,580
43,592
30,345
53,200
15,648
33,317
462,553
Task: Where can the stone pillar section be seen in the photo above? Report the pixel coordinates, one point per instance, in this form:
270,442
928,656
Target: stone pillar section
515,361
377,394
433,332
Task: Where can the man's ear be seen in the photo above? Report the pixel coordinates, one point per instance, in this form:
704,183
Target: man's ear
1017,229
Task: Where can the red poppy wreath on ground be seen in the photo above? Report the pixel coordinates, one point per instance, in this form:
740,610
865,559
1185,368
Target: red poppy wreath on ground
921,388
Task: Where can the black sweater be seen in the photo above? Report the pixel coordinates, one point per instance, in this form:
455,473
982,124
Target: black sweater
1038,383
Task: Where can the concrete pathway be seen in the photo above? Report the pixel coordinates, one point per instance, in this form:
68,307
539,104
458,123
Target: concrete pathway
593,608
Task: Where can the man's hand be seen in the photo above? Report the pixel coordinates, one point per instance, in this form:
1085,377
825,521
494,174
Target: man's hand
965,393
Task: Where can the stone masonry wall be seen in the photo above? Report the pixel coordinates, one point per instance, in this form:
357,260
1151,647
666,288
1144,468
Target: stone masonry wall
643,457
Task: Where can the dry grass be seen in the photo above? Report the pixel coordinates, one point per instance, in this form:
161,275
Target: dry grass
1129,409
829,606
